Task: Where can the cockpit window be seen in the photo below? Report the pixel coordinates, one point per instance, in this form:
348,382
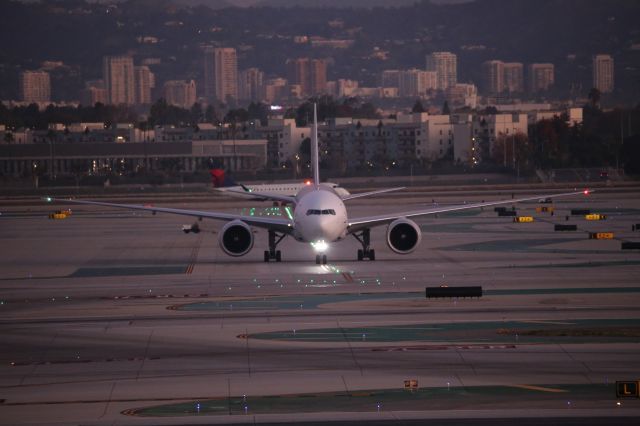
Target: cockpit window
318,212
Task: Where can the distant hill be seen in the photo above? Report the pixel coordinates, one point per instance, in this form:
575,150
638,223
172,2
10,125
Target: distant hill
212,4
356,4
337,4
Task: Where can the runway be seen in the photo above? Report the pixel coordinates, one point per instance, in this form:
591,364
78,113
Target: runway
119,318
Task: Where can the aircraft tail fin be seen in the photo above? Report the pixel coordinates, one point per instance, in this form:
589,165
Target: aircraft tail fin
219,179
315,158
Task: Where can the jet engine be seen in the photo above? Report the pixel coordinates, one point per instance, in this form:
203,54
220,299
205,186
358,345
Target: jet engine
236,238
403,236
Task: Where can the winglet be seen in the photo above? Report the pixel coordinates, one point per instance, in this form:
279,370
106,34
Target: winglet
314,149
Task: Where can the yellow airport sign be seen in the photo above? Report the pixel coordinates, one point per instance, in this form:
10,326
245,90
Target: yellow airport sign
411,384
60,214
545,209
595,216
627,389
522,219
601,235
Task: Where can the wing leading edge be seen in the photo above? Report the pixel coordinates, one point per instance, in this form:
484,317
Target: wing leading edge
357,224
367,194
272,223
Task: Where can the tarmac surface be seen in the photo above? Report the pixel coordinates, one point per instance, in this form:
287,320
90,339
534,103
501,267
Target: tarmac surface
113,317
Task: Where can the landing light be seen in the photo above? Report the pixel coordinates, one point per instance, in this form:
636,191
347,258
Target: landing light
320,245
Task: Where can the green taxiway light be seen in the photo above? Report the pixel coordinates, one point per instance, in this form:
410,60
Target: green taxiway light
287,209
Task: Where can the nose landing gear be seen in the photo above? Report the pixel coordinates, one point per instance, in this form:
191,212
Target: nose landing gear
321,259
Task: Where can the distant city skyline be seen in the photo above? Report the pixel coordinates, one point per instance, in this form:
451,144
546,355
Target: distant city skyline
283,55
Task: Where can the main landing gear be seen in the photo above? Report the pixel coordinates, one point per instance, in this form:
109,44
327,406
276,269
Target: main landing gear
366,252
272,253
321,259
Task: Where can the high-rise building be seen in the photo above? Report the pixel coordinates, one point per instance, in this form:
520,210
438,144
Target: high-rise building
446,65
220,73
603,73
35,86
309,74
93,93
298,73
144,82
119,80
493,76
317,76
514,77
180,93
415,82
250,85
275,89
540,77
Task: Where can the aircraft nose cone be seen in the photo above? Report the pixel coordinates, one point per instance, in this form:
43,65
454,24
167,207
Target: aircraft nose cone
323,229
328,228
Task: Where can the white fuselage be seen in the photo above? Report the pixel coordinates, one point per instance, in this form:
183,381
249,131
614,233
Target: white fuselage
319,215
285,189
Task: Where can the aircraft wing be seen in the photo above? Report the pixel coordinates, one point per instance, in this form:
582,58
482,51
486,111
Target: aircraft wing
272,223
262,196
366,194
357,224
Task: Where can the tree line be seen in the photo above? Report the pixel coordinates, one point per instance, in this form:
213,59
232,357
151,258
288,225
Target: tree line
603,139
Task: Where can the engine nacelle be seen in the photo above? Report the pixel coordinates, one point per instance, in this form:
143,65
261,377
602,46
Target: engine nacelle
403,236
236,238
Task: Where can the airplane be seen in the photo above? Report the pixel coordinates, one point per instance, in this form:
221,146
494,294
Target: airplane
318,217
224,184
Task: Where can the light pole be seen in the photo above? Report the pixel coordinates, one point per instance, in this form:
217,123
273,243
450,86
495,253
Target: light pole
504,151
513,148
233,135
